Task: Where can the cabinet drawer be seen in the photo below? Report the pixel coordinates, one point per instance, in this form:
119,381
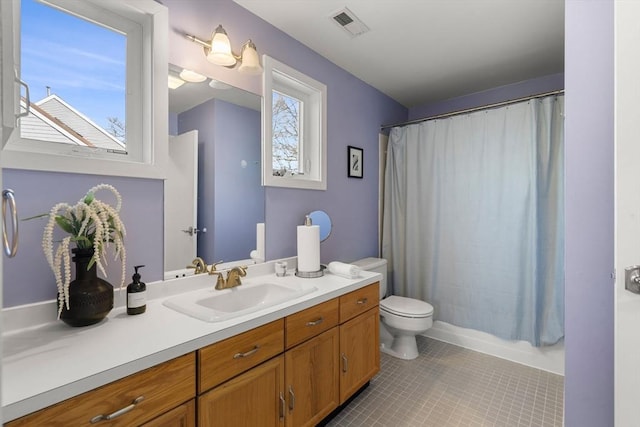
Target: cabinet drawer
226,359
161,388
305,324
182,416
357,302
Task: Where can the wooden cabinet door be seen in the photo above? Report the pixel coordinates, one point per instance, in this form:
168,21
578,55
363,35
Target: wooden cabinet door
253,399
182,416
312,379
359,352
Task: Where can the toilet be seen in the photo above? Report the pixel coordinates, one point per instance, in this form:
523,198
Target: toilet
401,318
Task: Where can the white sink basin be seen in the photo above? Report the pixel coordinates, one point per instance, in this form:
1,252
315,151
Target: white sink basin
211,305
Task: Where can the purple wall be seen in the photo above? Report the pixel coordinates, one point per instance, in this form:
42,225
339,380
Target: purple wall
589,183
356,110
240,197
503,93
230,197
28,278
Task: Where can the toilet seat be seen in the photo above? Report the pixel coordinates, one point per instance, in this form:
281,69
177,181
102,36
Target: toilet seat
406,307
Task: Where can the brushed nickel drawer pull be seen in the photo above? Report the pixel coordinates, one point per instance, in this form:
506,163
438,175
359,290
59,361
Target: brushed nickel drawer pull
247,354
117,413
345,363
315,322
362,301
283,405
292,399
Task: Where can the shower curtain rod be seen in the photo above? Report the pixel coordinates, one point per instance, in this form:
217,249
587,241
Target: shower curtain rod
470,110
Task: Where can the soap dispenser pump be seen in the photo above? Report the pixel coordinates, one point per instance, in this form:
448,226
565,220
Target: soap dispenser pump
136,294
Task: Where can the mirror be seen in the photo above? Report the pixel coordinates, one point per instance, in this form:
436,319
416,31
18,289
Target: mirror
230,197
321,219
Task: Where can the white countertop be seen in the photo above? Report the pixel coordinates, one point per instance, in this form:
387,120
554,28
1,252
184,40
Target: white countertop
45,361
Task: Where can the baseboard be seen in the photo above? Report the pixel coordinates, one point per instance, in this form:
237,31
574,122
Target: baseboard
549,358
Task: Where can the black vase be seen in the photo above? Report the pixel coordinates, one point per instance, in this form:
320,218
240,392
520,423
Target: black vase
90,297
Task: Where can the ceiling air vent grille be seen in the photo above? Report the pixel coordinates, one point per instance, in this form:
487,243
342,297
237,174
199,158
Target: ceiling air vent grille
349,22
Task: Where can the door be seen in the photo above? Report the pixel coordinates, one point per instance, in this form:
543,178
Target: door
312,379
181,201
253,399
627,322
359,352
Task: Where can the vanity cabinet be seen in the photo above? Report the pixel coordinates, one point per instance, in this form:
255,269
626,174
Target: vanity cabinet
182,416
292,372
359,339
140,398
254,398
311,364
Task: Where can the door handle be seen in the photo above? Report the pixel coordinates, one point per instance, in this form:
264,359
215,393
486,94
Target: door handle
192,230
632,279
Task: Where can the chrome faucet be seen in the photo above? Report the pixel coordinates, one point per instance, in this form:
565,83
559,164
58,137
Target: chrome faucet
233,278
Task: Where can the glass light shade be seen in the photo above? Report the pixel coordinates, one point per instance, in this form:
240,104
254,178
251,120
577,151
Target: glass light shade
250,60
191,76
175,82
220,52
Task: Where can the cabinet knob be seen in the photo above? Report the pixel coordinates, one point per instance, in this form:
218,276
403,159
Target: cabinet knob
345,363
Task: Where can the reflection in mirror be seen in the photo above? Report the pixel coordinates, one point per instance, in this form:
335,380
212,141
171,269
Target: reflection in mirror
230,198
322,219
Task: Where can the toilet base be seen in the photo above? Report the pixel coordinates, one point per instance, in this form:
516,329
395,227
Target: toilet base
403,347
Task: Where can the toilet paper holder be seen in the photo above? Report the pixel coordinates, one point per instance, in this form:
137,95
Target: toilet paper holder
311,274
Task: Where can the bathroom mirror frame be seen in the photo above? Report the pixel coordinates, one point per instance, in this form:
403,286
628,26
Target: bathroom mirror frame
311,146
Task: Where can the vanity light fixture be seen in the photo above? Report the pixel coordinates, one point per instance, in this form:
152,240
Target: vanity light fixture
191,76
218,51
175,82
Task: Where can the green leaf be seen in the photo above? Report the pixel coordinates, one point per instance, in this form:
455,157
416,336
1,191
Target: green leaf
89,198
64,223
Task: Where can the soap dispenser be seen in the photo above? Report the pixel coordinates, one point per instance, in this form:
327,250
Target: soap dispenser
136,294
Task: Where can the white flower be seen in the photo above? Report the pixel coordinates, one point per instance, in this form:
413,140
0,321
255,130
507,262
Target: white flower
91,223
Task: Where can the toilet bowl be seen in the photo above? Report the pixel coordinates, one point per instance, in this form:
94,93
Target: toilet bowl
401,318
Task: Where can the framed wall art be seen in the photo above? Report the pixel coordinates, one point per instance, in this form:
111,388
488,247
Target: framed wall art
355,160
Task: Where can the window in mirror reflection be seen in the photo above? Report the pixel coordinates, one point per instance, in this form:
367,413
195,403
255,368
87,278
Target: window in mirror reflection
286,135
76,70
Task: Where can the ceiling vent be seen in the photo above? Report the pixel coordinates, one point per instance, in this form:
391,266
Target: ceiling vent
349,22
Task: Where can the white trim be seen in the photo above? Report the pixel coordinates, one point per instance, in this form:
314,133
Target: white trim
281,77
146,160
549,358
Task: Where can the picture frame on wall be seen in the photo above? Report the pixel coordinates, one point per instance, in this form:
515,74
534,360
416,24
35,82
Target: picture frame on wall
355,161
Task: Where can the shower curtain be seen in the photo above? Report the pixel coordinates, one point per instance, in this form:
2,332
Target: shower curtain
473,218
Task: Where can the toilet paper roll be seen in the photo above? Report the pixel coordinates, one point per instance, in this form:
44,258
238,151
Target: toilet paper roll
308,248
260,240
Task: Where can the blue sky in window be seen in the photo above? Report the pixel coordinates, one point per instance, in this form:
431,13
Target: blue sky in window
83,63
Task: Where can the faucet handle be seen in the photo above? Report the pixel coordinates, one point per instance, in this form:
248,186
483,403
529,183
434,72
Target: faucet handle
220,282
213,270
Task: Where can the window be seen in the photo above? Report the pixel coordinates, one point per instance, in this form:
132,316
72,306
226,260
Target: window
96,72
294,127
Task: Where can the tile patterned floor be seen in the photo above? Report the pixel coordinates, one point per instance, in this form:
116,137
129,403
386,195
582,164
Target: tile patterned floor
449,385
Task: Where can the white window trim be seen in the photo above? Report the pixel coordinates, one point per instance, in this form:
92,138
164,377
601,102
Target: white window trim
284,79
150,159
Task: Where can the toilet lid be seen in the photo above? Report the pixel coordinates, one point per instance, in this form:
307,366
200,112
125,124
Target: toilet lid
407,307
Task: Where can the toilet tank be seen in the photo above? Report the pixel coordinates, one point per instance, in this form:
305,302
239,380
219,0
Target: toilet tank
377,265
